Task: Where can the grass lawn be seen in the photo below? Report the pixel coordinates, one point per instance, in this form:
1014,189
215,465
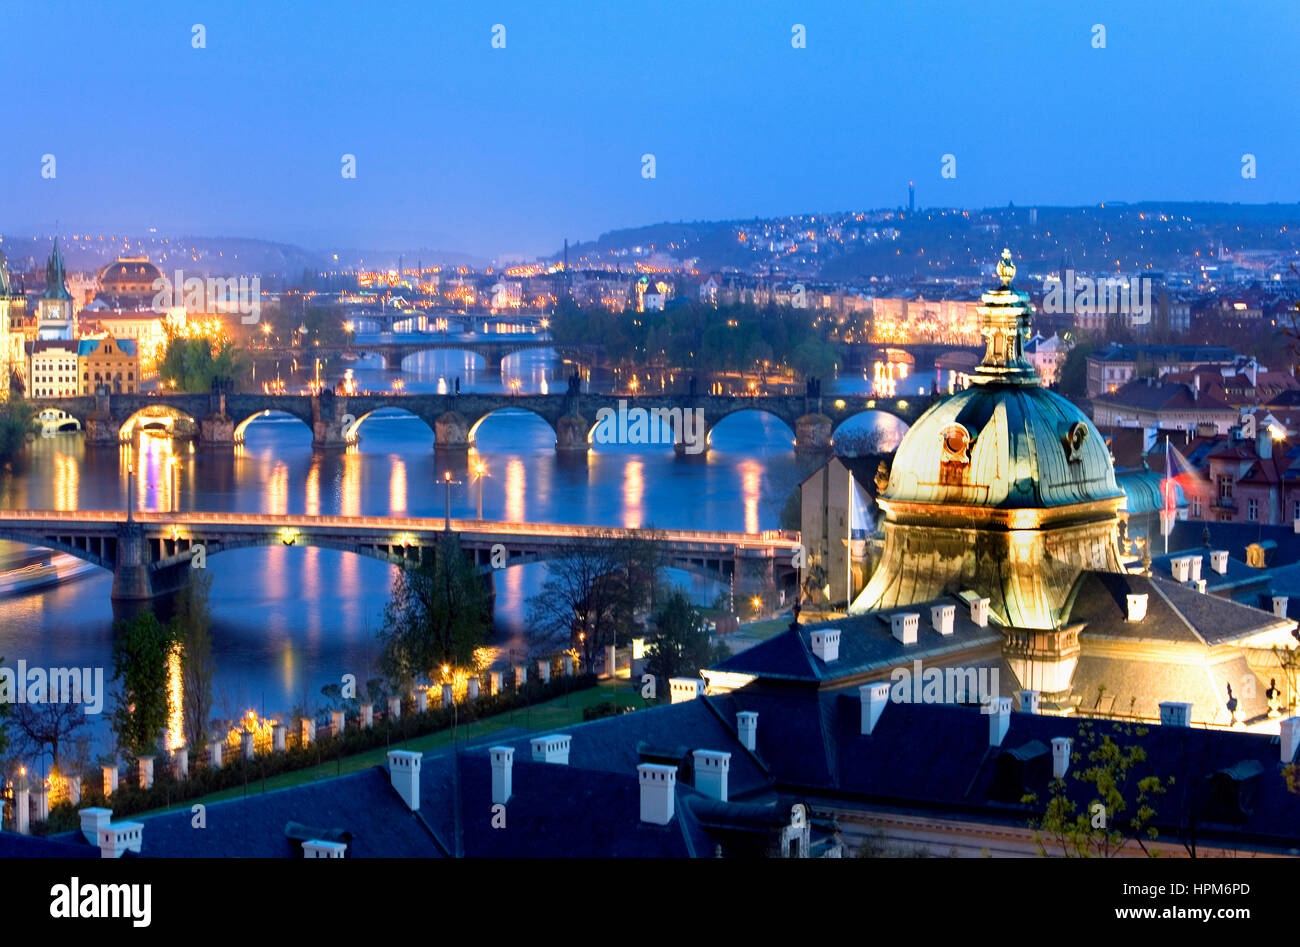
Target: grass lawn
559,712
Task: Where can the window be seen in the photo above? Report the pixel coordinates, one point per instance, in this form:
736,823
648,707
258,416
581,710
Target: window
1225,488
1252,510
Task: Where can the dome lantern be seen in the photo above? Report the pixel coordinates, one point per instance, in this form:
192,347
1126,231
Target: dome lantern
1004,322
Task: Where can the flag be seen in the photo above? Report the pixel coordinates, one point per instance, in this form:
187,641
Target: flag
1169,486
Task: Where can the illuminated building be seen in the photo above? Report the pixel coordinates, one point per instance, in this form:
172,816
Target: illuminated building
52,369
109,362
1004,487
55,318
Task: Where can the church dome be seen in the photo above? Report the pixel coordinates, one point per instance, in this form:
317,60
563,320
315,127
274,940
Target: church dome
1005,442
129,277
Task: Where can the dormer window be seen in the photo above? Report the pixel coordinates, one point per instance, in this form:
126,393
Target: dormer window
1072,440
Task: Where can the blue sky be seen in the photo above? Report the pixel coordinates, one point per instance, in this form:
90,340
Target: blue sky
462,146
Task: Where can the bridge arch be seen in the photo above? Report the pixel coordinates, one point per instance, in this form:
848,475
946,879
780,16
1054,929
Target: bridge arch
871,429
472,435
352,432
154,417
87,552
50,421
749,409
241,428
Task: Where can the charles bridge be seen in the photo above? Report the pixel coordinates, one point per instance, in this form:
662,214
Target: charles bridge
219,418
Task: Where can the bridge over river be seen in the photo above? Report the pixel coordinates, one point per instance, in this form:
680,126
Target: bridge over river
336,421
152,554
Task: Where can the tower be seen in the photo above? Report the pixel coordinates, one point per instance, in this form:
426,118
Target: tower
911,197
54,315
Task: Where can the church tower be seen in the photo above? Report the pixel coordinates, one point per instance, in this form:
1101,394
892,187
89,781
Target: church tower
54,314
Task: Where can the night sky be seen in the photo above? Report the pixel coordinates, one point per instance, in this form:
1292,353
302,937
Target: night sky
508,151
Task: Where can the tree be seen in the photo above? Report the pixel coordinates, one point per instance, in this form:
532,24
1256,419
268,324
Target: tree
15,424
48,724
1120,810
193,622
1073,379
141,650
438,614
680,645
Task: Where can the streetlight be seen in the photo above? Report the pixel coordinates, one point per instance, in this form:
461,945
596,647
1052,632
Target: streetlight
174,465
447,481
478,475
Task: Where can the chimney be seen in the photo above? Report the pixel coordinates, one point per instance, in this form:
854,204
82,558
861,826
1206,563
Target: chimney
1029,702
146,771
394,709
711,773
74,789
119,837
1200,586
904,626
1264,444
999,710
1137,606
92,820
404,772
826,644
874,697
1279,606
215,749
747,729
471,689
503,758
1196,562
1061,756
1290,738
448,695
1181,568
552,749
1175,714
941,618
685,688
1219,561
658,784
319,848
979,612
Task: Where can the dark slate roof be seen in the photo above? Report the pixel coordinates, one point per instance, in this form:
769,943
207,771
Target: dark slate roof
1142,394
866,644
1136,687
362,803
1175,613
13,845
1116,352
1235,537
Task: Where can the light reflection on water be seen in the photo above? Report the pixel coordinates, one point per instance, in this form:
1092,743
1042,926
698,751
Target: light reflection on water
289,620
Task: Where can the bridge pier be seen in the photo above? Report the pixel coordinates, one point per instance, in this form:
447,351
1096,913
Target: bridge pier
812,434
451,431
571,434
217,430
754,576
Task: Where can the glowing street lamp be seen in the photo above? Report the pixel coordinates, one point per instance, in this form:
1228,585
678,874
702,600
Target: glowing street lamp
479,474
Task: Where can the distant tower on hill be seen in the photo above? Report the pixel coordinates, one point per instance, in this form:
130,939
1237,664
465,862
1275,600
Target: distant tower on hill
911,197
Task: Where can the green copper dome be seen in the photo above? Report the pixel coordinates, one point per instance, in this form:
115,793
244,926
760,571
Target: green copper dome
1005,442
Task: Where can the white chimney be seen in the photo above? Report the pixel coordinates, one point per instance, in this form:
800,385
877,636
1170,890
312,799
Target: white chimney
1219,561
1061,756
1196,562
93,819
979,612
1137,606
119,837
747,729
544,669
999,710
826,644
711,768
1279,606
1181,567
941,617
246,744
319,848
874,697
74,789
1175,713
658,786
214,760
685,688
904,626
552,749
471,689
1290,738
1029,702
404,773
503,761
448,695
146,772
1201,586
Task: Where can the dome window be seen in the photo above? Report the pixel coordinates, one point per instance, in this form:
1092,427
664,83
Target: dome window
1072,440
956,444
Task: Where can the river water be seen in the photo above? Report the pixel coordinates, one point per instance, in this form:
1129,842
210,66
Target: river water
289,620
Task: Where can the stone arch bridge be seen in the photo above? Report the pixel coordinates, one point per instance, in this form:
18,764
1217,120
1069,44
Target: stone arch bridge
336,421
153,554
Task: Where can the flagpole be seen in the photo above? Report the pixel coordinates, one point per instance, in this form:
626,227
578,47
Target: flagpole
1169,496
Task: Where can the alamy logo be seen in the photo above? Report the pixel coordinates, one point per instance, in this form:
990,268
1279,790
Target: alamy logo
646,426
53,686
1105,294
945,685
215,294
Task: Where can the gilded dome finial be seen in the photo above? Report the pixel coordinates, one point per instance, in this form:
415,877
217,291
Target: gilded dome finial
1006,269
